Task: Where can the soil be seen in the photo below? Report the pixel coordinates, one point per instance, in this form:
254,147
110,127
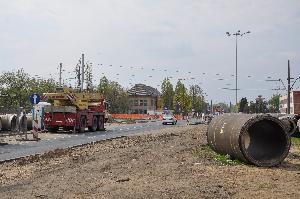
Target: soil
168,163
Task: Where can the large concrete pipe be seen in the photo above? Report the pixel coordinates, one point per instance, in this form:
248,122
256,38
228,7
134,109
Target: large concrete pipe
261,140
9,122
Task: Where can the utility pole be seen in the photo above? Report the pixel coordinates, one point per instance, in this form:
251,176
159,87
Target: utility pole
60,72
289,89
236,70
82,72
238,33
78,75
211,107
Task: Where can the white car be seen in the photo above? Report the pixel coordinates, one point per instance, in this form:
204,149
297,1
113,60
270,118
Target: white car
169,119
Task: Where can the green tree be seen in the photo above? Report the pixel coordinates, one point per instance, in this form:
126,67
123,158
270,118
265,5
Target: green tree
16,87
15,90
261,105
167,94
41,86
197,98
243,105
115,95
181,98
223,106
252,107
274,103
103,86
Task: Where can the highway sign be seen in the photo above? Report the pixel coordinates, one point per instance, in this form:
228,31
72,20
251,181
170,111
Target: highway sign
35,98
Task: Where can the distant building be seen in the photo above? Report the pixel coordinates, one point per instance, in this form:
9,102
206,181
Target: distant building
143,99
294,105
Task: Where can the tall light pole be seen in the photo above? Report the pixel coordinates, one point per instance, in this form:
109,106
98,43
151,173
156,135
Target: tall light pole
238,33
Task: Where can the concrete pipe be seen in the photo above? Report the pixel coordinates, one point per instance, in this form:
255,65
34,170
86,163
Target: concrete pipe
29,121
261,140
9,122
22,123
290,124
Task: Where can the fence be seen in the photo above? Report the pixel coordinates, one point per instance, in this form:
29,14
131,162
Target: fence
140,116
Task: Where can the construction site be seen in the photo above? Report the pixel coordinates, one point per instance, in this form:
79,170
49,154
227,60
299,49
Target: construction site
149,99
70,146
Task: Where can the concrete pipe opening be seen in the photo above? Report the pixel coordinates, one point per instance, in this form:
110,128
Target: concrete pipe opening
13,122
265,142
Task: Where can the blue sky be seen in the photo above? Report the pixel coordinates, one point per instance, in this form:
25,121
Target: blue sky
154,39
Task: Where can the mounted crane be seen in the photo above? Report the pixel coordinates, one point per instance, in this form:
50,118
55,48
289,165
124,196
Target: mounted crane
74,110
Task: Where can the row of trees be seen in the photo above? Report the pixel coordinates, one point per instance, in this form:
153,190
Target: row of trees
16,87
182,99
115,95
260,105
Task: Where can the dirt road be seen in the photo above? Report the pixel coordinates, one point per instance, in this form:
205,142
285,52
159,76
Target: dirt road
169,163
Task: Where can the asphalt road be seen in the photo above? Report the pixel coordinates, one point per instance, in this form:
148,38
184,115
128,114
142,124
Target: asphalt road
23,149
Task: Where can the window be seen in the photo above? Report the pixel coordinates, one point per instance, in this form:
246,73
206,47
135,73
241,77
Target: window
136,102
145,102
141,102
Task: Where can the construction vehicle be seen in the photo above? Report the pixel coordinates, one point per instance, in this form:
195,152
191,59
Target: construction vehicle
72,110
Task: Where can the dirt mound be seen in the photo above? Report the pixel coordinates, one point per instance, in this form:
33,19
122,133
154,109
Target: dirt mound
168,163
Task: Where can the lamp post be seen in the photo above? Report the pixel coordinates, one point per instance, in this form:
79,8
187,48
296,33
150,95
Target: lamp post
236,34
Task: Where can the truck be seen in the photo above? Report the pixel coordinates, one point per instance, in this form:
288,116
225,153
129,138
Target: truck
74,111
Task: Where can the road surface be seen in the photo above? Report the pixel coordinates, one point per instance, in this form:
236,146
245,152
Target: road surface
62,141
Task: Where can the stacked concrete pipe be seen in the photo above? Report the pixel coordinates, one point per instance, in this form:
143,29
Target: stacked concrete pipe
9,122
261,140
290,123
29,121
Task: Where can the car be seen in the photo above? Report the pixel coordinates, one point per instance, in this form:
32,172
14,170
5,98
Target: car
169,119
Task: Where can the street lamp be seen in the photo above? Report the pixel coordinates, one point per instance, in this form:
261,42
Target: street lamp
238,33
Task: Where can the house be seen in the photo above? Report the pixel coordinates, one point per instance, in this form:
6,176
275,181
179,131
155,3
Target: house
294,105
143,99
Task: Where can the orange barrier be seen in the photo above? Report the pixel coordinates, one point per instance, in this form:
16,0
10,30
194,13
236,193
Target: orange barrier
141,116
178,117
131,116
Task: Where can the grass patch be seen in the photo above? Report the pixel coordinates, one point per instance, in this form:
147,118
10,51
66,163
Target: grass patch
295,141
265,185
205,152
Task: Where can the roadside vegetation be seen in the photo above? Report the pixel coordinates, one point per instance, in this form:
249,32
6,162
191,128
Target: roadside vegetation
204,151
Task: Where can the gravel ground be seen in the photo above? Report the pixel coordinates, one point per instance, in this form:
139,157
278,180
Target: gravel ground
168,163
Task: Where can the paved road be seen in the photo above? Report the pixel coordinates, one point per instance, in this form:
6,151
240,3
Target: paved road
22,149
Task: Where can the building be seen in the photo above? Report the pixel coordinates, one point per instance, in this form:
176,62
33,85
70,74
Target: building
143,99
294,105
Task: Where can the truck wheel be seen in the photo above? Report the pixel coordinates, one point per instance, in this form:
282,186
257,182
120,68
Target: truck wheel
82,124
94,124
52,129
101,123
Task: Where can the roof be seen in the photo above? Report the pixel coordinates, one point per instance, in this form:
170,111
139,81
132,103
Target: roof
143,90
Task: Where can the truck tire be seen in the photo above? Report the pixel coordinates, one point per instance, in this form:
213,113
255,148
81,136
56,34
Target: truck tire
94,124
52,129
101,123
82,124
